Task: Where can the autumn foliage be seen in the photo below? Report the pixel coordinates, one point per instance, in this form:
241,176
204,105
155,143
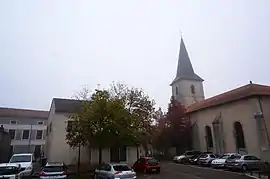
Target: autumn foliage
174,129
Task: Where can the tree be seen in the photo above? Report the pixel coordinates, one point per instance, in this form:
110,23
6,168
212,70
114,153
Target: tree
141,113
174,130
113,117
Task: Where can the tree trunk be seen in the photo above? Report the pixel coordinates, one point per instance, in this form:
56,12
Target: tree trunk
138,152
79,160
99,155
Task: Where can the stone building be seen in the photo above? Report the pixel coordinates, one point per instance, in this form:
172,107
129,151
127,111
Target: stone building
234,121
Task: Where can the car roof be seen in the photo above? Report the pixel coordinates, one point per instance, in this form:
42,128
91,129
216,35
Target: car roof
9,165
115,164
54,164
22,154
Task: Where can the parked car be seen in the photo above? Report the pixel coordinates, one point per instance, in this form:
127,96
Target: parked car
244,163
194,160
220,162
147,164
206,159
185,156
114,170
10,171
56,170
26,162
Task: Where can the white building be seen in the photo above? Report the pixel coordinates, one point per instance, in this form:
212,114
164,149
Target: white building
59,150
27,129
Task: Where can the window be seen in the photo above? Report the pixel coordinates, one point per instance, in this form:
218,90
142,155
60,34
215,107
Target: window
25,134
40,122
121,168
176,90
12,133
239,136
106,167
192,89
20,158
13,122
54,169
208,137
50,127
39,134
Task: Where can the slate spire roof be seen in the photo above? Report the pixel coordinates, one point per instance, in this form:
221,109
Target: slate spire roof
184,68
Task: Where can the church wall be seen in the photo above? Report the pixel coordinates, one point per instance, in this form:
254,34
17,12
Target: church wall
185,95
242,111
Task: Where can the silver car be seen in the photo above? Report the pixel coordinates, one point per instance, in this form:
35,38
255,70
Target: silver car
55,170
114,171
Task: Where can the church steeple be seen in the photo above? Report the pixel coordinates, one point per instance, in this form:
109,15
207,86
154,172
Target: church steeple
187,87
184,68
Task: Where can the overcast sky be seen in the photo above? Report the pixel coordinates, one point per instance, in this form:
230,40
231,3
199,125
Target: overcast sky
53,48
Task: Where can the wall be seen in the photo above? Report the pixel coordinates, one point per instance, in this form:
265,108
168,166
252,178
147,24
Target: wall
58,149
242,111
184,87
25,145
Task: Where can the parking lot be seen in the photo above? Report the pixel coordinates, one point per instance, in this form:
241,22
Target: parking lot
171,170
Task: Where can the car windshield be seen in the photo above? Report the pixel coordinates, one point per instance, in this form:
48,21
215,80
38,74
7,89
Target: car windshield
20,158
53,169
152,161
121,168
9,170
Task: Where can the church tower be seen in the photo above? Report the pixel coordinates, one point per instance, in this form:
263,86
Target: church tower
187,87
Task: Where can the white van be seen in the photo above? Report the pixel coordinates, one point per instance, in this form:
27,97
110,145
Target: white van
26,162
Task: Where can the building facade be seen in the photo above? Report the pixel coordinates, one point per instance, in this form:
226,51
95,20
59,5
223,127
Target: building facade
58,150
234,121
26,128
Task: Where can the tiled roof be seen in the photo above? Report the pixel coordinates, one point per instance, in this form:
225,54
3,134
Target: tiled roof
23,113
233,95
67,105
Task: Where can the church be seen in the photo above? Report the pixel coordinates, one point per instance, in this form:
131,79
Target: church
234,121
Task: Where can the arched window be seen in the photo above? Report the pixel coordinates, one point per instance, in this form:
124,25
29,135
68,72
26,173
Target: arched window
192,89
239,136
208,137
176,90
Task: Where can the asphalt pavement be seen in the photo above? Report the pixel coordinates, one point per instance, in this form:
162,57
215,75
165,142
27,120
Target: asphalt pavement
170,170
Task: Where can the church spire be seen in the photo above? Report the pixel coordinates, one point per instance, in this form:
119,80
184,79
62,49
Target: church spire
184,68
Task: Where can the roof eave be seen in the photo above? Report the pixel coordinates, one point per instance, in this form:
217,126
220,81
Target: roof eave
229,101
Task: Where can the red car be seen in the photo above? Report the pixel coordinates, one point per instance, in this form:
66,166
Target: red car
146,165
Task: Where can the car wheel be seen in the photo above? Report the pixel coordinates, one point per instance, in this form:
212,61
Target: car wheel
244,168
